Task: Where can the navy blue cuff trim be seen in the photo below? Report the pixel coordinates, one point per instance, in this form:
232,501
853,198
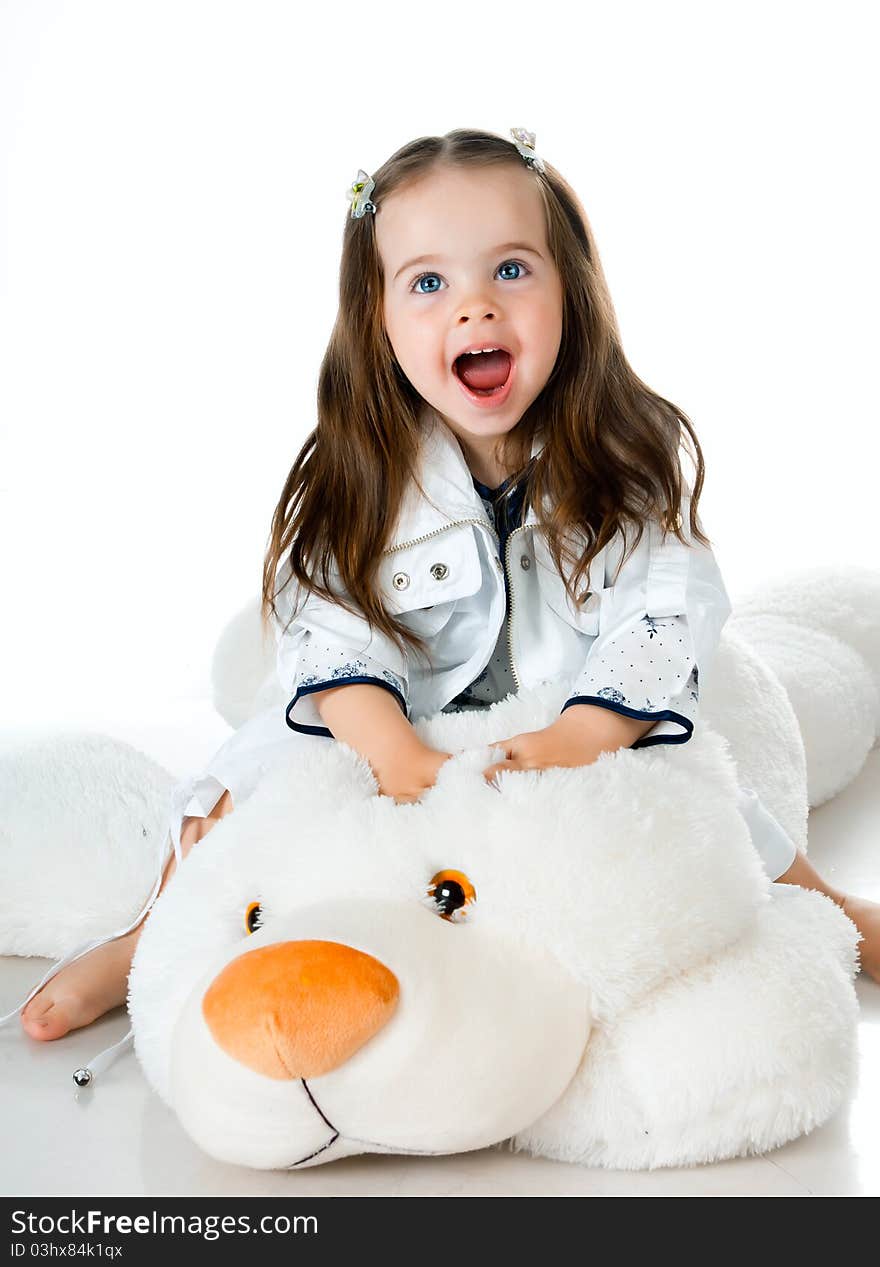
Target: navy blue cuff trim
323,686
646,741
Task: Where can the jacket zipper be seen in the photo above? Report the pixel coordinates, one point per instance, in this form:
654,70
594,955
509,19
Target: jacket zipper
510,537
403,545
484,523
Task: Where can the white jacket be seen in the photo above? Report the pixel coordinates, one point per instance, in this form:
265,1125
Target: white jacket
443,578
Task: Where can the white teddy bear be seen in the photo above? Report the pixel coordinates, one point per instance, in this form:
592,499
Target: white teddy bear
591,965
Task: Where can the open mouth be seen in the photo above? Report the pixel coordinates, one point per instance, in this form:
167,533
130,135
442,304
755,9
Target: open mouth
485,376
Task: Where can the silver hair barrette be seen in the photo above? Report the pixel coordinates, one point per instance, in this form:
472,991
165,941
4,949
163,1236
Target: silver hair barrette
525,143
358,193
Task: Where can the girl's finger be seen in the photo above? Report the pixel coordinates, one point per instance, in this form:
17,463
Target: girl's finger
490,772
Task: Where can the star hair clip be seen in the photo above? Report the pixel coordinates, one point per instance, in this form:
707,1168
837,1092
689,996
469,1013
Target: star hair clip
358,194
525,143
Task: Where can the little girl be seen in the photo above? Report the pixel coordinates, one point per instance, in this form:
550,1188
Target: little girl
473,243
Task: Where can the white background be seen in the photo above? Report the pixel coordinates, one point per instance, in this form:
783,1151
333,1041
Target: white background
174,200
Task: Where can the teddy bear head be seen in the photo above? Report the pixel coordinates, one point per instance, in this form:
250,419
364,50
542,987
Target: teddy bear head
331,972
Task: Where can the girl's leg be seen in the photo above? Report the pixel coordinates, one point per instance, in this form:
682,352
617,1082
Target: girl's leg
92,985
863,913
786,864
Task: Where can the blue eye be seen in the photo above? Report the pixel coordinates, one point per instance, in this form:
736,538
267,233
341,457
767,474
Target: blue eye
421,276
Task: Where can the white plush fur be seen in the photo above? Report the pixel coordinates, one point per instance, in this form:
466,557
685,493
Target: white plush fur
628,990
82,818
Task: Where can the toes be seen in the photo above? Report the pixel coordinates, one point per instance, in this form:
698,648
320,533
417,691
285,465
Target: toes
38,1006
47,1022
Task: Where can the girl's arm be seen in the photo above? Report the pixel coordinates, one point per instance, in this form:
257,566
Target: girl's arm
592,730
660,621
369,719
659,625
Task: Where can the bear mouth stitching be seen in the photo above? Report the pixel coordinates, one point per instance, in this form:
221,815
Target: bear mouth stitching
415,1152
324,1118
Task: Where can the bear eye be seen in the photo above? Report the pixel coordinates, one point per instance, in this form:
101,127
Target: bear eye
451,892
254,917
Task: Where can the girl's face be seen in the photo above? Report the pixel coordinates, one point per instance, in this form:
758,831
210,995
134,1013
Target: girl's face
486,276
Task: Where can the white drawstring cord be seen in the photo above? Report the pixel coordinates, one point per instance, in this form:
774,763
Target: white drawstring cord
180,797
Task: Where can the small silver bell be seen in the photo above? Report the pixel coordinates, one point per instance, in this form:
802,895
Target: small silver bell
82,1077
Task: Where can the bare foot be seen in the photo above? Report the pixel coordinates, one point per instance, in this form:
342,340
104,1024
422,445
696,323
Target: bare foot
866,917
91,986
83,991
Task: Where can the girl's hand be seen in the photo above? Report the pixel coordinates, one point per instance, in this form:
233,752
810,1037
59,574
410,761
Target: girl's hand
539,750
577,737
409,772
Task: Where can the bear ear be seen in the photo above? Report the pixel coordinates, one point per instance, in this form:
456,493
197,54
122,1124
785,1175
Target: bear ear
320,774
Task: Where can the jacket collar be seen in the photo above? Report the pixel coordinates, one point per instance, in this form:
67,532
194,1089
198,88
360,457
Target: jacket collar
448,484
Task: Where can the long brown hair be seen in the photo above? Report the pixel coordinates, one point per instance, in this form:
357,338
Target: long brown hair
611,444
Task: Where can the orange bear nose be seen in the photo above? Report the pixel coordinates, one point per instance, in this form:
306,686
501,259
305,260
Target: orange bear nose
299,1008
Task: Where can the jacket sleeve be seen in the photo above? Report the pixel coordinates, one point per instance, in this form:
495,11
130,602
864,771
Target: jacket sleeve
325,645
659,626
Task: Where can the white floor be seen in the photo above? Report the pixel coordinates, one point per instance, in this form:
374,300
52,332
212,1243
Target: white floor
119,1139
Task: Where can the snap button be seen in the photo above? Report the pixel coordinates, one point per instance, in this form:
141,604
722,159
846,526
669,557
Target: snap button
525,562
439,571
400,580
